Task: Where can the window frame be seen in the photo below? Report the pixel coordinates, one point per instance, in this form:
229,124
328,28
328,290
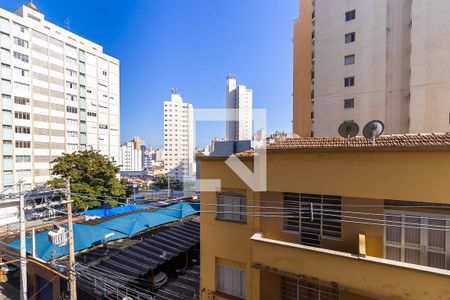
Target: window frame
237,212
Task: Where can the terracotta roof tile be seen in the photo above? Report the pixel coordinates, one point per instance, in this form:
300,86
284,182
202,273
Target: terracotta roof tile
434,141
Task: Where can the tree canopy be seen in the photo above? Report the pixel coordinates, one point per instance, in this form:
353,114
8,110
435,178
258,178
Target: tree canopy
162,182
90,173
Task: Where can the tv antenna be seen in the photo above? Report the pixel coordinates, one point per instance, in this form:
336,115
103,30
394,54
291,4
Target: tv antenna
67,23
348,130
373,130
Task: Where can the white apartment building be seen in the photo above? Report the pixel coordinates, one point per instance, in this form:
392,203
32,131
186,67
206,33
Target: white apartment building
130,158
60,93
239,101
178,137
378,59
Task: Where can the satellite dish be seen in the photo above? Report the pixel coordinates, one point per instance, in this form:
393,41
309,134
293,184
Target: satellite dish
348,129
373,130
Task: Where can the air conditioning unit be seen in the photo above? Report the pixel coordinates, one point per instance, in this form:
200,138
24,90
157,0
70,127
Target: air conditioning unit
58,236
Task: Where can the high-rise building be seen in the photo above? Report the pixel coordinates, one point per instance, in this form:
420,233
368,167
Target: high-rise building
130,158
372,60
178,137
239,99
60,93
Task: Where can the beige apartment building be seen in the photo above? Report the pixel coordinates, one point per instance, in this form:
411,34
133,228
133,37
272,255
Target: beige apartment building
373,59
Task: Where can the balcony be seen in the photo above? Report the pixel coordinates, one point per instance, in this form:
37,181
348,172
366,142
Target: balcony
377,277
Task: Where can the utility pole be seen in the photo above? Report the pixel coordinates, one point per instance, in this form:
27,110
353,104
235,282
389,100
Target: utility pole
72,273
23,246
168,187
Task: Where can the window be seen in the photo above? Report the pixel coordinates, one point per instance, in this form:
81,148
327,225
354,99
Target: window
23,129
19,72
73,134
22,101
350,15
23,144
71,85
349,103
70,97
350,37
313,225
103,126
22,87
231,281
91,114
104,73
21,28
21,56
20,42
71,109
231,206
349,60
72,122
23,173
349,81
22,115
300,288
23,158
70,72
417,239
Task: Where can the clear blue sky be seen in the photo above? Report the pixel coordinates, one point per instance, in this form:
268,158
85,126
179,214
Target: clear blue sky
191,45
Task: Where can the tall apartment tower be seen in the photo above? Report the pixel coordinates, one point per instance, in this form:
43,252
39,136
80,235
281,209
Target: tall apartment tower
60,93
178,137
239,124
131,155
372,60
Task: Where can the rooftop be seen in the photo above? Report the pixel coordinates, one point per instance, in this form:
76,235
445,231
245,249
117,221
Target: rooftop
413,142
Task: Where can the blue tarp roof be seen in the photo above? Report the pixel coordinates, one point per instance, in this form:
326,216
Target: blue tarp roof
86,236
134,223
180,210
113,211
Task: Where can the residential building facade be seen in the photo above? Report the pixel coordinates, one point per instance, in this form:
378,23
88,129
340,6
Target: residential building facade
60,93
358,221
371,60
178,137
239,101
130,157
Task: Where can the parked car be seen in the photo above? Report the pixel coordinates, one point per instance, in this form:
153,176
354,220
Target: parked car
159,279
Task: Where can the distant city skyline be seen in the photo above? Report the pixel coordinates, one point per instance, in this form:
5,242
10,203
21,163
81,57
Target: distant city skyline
187,44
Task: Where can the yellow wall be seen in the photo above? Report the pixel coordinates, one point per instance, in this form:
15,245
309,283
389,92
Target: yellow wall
359,177
302,86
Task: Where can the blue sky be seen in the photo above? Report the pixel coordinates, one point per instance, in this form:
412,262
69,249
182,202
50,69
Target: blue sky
191,45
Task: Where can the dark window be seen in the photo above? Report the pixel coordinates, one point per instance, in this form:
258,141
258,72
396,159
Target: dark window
349,60
349,103
350,37
350,15
349,81
231,206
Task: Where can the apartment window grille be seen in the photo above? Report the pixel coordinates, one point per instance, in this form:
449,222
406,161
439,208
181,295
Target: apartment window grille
23,129
418,238
350,37
20,42
23,158
313,216
350,15
22,101
231,206
303,289
349,60
349,103
349,81
231,281
22,57
23,144
22,115
71,109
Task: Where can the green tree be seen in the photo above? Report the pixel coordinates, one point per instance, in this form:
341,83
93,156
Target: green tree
91,174
162,182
